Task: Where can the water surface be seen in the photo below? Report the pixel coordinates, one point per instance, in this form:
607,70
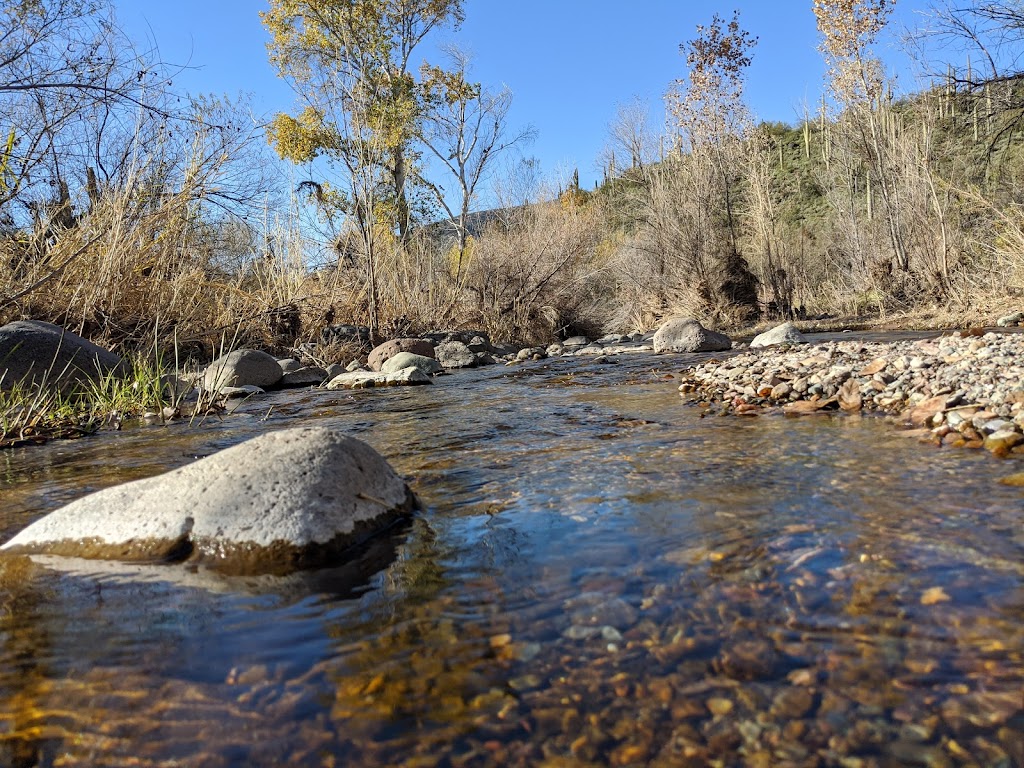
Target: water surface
601,576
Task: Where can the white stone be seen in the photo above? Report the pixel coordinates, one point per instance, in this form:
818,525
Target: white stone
294,490
787,333
367,379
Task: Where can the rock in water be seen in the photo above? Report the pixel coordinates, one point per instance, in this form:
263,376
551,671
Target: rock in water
687,335
787,333
242,367
455,354
294,498
426,365
369,379
31,350
381,354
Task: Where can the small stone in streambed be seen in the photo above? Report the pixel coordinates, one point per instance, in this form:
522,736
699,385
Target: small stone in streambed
934,596
719,706
749,660
1016,480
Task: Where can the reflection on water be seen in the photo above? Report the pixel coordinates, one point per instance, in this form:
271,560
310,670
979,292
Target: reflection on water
600,577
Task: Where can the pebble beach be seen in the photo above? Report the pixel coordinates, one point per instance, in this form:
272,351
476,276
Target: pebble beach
964,389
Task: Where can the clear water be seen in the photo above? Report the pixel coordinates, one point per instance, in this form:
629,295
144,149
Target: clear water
600,577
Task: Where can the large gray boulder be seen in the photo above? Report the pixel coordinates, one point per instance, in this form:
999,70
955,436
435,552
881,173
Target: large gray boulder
384,352
289,499
455,354
34,351
687,335
241,368
427,365
787,333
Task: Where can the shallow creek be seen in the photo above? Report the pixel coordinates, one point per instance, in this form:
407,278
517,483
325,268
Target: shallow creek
600,576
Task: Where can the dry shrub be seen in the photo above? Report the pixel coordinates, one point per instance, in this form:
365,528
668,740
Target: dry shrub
532,274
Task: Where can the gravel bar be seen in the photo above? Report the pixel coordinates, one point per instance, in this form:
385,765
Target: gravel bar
966,388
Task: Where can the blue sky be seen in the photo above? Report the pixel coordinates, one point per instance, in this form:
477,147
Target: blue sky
570,63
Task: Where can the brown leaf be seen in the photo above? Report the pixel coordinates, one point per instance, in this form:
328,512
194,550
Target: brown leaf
875,366
922,413
849,396
802,407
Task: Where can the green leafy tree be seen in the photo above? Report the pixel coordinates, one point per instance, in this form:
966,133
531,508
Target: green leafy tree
349,61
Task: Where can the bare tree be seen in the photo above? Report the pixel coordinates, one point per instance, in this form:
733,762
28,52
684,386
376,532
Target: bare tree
465,129
67,76
709,122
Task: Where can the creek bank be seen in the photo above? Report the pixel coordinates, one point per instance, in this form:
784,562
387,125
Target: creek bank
965,389
289,499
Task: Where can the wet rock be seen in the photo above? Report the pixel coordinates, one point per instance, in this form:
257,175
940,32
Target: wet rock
531,353
237,393
240,368
749,660
455,354
1001,441
687,335
31,350
309,376
426,365
382,353
369,379
793,703
289,499
787,333
595,609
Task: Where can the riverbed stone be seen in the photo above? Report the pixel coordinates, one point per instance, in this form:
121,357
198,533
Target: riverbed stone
1014,318
289,499
426,365
369,379
238,393
531,353
243,367
307,376
687,335
787,333
34,351
455,354
382,353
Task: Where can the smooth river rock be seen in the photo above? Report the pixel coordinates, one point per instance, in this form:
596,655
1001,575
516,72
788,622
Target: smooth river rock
368,379
427,365
384,352
31,350
687,335
787,333
289,499
243,367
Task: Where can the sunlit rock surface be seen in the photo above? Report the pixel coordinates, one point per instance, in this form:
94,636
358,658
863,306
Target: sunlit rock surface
289,499
687,335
